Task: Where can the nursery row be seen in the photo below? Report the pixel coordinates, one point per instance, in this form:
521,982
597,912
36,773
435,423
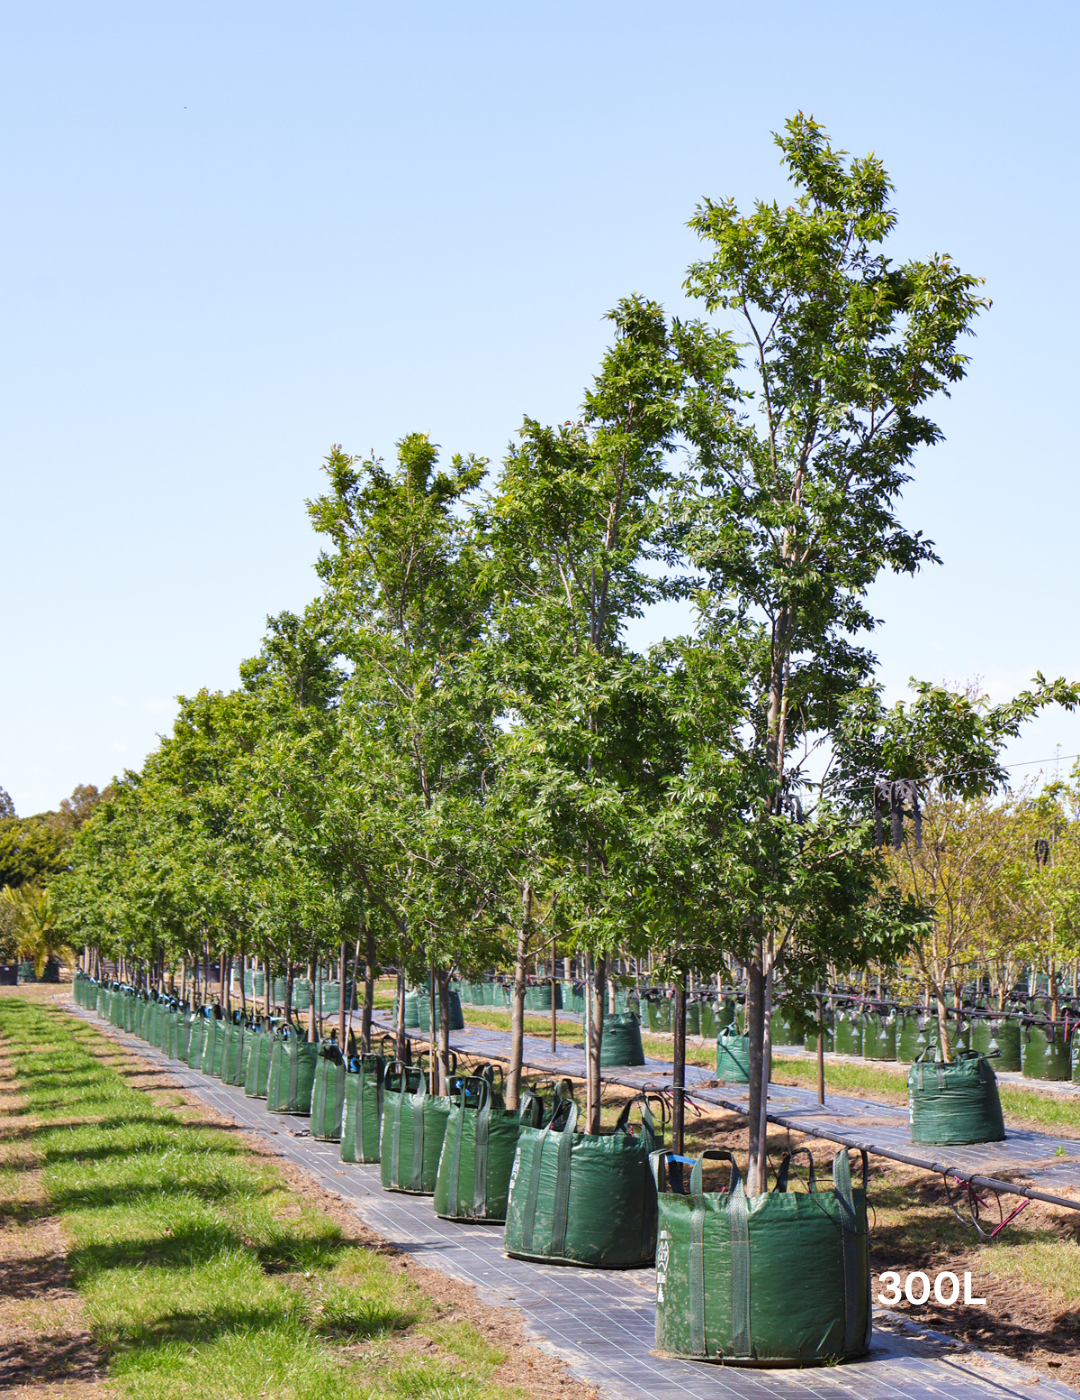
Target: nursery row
598,1200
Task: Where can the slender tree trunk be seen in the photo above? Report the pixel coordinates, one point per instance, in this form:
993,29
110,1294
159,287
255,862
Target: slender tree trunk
288,1008
943,1022
678,1076
226,982
595,1041
369,986
766,1067
554,1022
444,1032
755,1018
342,973
402,1038
267,988
313,1014
517,1002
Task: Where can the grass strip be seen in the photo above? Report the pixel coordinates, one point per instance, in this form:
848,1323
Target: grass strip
201,1272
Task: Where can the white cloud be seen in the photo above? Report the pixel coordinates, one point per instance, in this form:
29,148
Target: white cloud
158,707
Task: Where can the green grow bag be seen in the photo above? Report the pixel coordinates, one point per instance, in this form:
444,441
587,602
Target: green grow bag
1005,1038
257,1073
779,1028
1045,1052
413,1127
538,997
709,1024
328,1093
879,1036
907,1036
981,1035
168,1032
1076,1058
579,1198
779,1279
234,1064
473,1179
292,1073
255,985
693,1018
183,1032
725,1014
196,1039
362,1116
954,1103
732,1058
621,1041
212,1033
847,1033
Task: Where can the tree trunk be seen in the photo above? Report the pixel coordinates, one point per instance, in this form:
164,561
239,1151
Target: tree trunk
444,1032
226,983
342,973
517,1003
267,990
943,1023
402,1038
595,1041
755,1018
243,985
369,986
313,1014
678,1076
288,991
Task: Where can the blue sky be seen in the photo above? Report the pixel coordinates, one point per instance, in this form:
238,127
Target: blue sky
237,233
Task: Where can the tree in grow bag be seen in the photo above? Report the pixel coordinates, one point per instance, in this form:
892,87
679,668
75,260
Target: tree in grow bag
196,1039
955,1103
234,1064
328,1093
780,1278
1045,1051
1006,1044
292,1073
732,1058
413,1127
879,1036
362,1119
478,1150
621,1044
584,1198
257,1075
847,1033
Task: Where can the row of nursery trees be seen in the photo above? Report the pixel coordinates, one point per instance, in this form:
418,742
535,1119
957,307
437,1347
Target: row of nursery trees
457,754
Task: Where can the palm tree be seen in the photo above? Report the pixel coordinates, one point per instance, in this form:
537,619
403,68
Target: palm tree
37,936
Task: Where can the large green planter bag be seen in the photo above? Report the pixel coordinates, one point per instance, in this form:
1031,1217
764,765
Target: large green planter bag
1045,1052
981,1035
292,1073
211,1045
732,1058
473,1179
234,1064
196,1039
907,1036
1075,1058
580,1198
168,1032
621,1041
693,1018
709,1025
955,1103
362,1115
879,1036
328,1093
413,1128
538,997
847,1033
779,1029
1005,1040
183,1032
257,1073
778,1279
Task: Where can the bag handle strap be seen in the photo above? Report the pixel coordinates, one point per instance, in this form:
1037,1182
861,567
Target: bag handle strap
785,1167
714,1154
849,1223
561,1205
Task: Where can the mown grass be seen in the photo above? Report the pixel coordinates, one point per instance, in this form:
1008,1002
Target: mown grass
201,1272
